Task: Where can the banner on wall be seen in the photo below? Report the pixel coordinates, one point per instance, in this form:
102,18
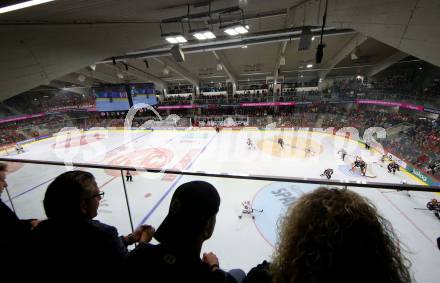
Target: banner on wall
392,104
421,175
189,106
19,118
258,104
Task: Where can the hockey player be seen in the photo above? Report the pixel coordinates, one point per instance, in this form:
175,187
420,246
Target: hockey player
19,148
250,144
386,157
393,166
360,164
363,167
308,151
281,142
343,153
367,145
357,163
434,205
217,129
328,173
247,209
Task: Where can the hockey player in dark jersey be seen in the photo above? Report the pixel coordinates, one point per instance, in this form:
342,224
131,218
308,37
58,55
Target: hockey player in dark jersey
328,173
434,206
393,167
363,167
281,142
359,163
356,163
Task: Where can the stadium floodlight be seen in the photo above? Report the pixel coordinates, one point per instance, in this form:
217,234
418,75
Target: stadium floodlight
171,39
22,5
236,29
175,38
204,35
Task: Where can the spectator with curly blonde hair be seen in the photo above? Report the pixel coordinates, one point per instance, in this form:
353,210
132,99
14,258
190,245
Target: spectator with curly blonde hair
333,235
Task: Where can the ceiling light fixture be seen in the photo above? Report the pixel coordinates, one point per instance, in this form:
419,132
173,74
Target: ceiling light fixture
236,29
309,66
23,5
176,39
204,35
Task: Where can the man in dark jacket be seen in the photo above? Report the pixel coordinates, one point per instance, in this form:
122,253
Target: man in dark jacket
70,233
15,238
190,222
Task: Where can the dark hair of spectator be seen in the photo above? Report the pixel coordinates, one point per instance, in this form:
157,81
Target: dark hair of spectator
65,193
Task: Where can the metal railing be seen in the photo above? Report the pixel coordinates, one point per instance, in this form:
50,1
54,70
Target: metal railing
363,184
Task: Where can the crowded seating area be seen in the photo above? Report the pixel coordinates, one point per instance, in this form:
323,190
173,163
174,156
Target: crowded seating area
418,144
46,101
220,141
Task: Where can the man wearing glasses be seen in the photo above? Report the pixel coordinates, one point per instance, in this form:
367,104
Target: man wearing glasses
71,203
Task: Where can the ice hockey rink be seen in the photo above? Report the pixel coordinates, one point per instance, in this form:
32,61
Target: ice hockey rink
239,243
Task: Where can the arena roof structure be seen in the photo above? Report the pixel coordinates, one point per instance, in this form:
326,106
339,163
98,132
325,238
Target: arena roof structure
66,43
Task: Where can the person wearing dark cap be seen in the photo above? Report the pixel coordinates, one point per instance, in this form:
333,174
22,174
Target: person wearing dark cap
190,221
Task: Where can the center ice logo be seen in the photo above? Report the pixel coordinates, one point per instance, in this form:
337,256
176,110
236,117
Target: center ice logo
75,141
156,158
274,199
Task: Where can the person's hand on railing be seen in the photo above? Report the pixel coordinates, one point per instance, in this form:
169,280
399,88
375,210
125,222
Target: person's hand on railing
212,260
147,234
143,233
